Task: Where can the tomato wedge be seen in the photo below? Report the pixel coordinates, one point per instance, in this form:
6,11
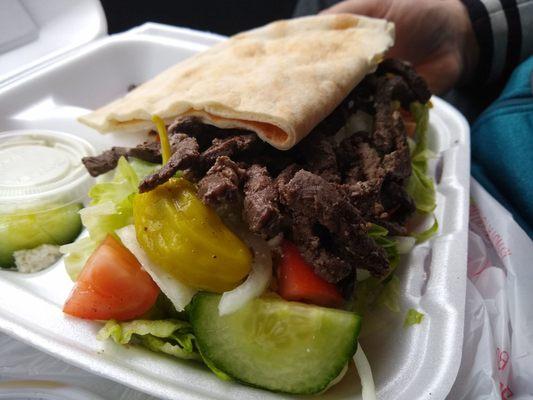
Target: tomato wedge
112,285
298,282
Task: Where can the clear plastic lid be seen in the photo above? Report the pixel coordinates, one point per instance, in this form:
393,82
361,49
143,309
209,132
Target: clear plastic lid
42,169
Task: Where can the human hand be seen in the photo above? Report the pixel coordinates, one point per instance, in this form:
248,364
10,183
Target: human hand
436,36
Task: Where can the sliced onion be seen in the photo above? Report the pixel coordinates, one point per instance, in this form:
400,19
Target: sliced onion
275,241
105,208
365,374
179,294
335,381
256,282
404,244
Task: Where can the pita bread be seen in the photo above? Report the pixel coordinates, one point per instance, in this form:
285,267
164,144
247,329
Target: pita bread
279,80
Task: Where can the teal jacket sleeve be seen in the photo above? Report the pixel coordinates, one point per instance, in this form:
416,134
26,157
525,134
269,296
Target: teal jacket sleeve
502,146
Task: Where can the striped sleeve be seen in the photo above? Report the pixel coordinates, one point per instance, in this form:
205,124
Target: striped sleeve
504,32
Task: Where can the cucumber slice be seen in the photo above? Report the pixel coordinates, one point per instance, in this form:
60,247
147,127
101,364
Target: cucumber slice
275,344
26,231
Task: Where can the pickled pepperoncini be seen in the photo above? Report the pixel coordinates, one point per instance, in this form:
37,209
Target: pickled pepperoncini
188,239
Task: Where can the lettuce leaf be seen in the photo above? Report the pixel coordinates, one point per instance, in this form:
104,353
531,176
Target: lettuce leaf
173,337
413,317
111,204
390,295
111,208
380,236
383,291
373,292
420,154
77,254
420,185
170,336
422,189
427,233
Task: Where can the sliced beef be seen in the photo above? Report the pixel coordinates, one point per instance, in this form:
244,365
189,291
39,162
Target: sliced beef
396,202
261,207
230,146
203,133
220,185
365,196
185,155
286,175
384,124
147,151
320,158
407,72
193,126
328,229
98,165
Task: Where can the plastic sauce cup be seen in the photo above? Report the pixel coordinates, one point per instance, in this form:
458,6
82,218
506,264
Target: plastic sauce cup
43,185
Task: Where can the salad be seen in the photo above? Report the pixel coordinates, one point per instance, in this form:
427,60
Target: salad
256,244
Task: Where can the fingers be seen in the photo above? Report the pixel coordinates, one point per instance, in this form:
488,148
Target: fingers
370,8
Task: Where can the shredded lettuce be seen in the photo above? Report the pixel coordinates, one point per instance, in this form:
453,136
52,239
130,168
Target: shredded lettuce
420,113
413,317
377,231
390,295
161,346
380,236
170,336
111,204
427,233
404,244
421,188
420,185
384,291
77,254
111,208
173,337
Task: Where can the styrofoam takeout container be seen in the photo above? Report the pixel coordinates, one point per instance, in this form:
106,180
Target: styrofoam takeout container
419,362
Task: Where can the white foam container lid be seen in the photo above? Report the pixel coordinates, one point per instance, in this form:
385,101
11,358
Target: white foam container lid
420,362
34,32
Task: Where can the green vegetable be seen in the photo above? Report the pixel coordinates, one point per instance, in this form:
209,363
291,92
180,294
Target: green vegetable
413,317
188,240
111,204
380,236
275,344
427,233
421,188
420,185
77,254
23,231
110,209
373,292
171,337
390,295
420,113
